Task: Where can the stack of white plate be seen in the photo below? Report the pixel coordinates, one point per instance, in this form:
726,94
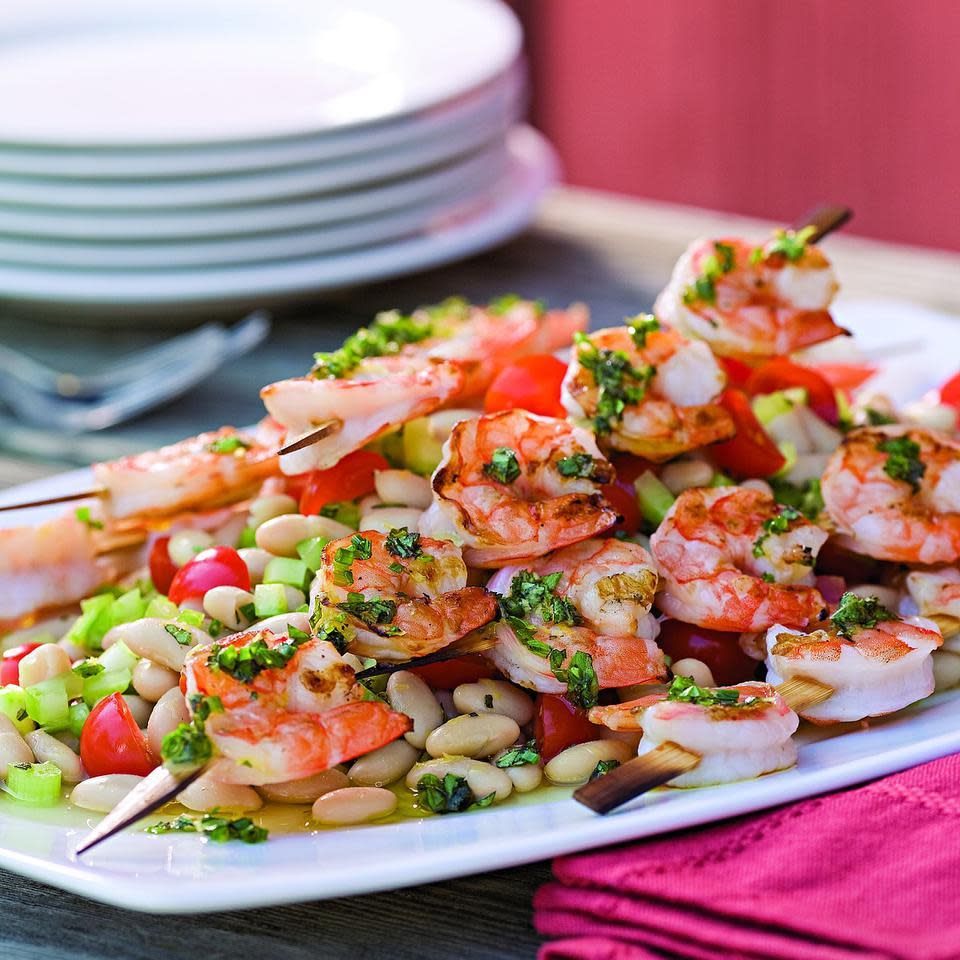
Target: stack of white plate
183,151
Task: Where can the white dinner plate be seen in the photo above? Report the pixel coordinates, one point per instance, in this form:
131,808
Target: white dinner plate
182,874
166,72
501,213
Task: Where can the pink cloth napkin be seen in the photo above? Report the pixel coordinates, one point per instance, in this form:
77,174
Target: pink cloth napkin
872,873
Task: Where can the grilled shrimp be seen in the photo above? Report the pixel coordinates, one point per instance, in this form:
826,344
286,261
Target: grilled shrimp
752,303
874,669
894,494
399,595
736,741
513,485
673,378
731,558
935,592
290,708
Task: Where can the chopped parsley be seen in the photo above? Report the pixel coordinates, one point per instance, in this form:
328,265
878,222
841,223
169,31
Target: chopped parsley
684,690
403,543
396,567
640,327
189,744
619,383
580,677
503,466
448,795
343,511
332,626
229,444
790,244
877,418
217,829
88,668
602,767
530,593
244,663
181,634
519,756
778,524
806,497
83,515
577,465
372,612
903,460
502,304
856,612
704,287
360,549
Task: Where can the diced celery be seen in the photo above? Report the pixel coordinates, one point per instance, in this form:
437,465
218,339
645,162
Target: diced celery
47,703
421,450
390,445
101,685
311,552
789,451
127,607
769,406
13,703
93,608
72,683
78,717
193,617
269,599
286,570
118,657
653,497
722,480
162,608
36,783
248,538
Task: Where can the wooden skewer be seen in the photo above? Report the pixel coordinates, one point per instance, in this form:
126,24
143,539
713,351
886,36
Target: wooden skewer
459,649
63,498
669,760
324,430
824,219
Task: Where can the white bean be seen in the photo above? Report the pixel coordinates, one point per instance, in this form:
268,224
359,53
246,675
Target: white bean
229,533
525,778
152,680
13,749
73,651
384,765
391,518
184,545
408,694
281,535
44,663
223,603
282,623
685,475
888,596
256,560
103,793
149,638
755,483
354,805
696,669
367,503
294,597
404,487
139,708
494,696
168,713
932,416
68,739
482,778
307,789
576,763
46,747
206,794
54,627
473,735
271,505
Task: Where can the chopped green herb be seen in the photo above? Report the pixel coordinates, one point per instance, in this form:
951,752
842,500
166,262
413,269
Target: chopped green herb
396,567
855,612
577,465
449,795
488,701
371,612
360,549
331,625
403,543
619,383
503,466
217,829
641,326
343,511
602,767
877,418
520,756
791,244
294,634
530,593
903,460
704,287
188,744
805,497
248,611
228,444
388,334
767,578
579,676
181,634
215,628
775,525
684,690
83,515
88,668
244,663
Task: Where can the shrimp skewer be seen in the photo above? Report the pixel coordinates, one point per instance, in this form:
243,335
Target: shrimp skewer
513,485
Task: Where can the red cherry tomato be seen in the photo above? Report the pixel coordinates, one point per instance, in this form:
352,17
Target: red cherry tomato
950,392
629,467
751,453
216,567
296,484
352,477
530,383
10,664
623,498
846,376
720,651
162,568
781,374
738,372
451,673
111,742
559,724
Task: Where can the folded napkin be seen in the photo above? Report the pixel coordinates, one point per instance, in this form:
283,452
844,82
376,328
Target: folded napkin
871,873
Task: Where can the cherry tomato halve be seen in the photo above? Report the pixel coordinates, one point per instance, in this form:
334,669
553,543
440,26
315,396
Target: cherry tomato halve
751,453
10,664
738,372
950,392
720,651
530,383
629,467
162,568
559,724
111,742
216,567
846,377
623,498
781,374
352,477
451,673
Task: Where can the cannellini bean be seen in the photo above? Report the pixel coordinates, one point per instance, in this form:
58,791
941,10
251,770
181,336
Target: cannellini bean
184,545
408,694
223,603
206,794
103,793
68,739
686,474
149,638
282,623
152,680
473,735
229,533
888,596
932,416
576,763
281,535
307,789
44,663
403,486
391,518
440,424
482,778
168,713
139,708
368,502
13,749
256,560
269,506
385,765
73,651
354,805
494,696
46,747
755,483
525,778
295,598
946,670
697,669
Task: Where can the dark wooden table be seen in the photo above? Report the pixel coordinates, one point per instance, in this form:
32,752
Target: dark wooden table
612,253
